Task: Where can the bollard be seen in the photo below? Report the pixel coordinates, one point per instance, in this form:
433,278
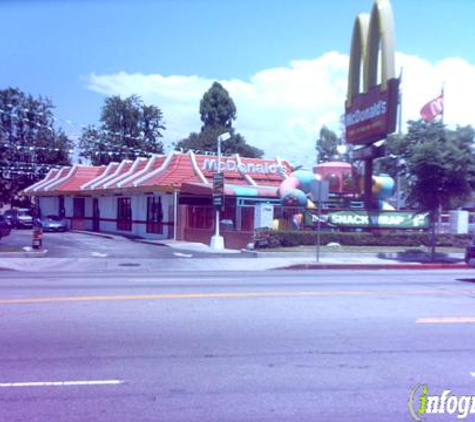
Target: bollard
37,239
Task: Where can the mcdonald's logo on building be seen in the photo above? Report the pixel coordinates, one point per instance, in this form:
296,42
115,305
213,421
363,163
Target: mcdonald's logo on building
372,99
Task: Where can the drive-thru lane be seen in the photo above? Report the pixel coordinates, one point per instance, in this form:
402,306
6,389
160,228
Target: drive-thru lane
84,245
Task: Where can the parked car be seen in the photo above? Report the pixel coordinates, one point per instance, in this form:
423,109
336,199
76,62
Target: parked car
470,254
53,223
4,227
18,217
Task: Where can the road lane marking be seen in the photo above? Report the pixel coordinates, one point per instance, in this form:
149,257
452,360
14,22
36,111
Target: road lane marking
99,254
230,295
58,383
446,320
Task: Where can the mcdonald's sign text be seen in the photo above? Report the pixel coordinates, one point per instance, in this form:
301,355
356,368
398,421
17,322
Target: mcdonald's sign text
372,115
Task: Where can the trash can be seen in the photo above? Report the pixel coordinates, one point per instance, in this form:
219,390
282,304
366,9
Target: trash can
37,237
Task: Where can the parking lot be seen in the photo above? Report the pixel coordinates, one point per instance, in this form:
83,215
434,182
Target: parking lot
83,245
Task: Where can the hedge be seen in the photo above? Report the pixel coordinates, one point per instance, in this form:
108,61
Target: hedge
415,239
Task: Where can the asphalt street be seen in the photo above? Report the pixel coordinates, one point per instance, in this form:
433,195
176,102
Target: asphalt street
250,346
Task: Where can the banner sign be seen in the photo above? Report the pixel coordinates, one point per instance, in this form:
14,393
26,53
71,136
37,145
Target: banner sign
380,219
372,115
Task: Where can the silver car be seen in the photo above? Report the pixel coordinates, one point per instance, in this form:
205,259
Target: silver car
53,223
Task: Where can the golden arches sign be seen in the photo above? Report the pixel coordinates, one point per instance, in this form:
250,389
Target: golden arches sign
371,105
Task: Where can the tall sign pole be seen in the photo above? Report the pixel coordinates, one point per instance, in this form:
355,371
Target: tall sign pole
217,241
371,108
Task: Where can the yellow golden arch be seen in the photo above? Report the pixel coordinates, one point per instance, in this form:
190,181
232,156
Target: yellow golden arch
371,35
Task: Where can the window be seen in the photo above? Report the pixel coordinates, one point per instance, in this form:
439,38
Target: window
154,215
124,214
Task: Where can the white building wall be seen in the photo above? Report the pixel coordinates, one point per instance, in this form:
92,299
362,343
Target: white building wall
49,205
108,211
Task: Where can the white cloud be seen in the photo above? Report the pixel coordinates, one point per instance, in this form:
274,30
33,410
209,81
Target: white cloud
281,110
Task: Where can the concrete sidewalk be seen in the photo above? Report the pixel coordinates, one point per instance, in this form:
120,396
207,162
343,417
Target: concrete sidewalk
187,246
252,263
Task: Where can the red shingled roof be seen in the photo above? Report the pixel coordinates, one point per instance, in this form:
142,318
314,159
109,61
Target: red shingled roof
81,175
158,161
115,174
179,170
174,169
63,171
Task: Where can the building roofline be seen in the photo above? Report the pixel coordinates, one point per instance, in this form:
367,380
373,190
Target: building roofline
140,173
153,173
116,173
130,172
196,168
42,181
57,179
96,179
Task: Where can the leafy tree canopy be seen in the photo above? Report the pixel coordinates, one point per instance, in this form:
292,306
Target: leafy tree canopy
217,112
129,129
29,143
327,147
436,163
441,166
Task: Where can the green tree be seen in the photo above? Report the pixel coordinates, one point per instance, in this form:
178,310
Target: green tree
128,129
327,147
440,168
29,143
217,111
441,165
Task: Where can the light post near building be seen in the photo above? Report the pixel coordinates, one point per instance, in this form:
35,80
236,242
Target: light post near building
217,241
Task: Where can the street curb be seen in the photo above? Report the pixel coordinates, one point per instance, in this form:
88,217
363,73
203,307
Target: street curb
24,254
434,266
95,234
150,242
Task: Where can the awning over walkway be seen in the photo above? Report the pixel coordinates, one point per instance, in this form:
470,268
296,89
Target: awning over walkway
231,190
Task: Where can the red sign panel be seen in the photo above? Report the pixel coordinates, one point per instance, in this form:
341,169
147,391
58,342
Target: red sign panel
372,115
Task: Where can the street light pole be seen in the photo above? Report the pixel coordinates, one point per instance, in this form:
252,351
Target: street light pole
217,241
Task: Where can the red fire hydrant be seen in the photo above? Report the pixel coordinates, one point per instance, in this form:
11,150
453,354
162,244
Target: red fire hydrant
37,239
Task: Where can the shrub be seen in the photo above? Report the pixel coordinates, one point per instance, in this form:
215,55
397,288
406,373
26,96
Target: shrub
381,238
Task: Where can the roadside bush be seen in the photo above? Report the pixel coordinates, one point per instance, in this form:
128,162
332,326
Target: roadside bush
409,239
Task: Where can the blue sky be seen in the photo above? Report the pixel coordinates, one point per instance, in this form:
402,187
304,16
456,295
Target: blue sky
284,61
